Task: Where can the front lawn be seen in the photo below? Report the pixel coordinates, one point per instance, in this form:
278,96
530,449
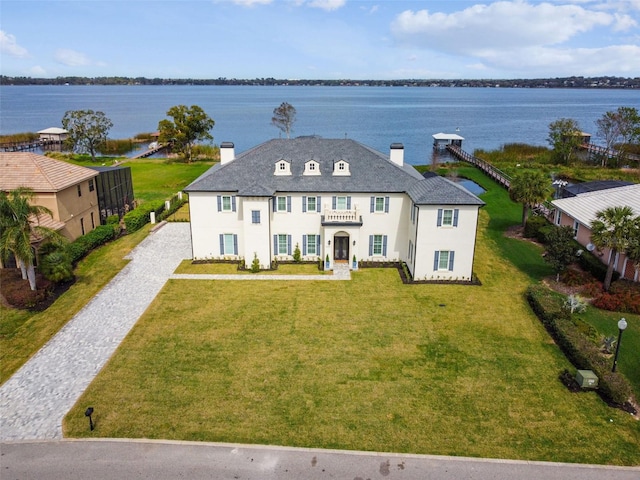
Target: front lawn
23,333
369,364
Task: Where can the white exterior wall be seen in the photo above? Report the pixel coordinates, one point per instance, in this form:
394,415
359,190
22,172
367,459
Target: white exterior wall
255,238
207,224
431,238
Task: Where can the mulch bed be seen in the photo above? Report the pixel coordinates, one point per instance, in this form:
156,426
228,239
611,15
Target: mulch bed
16,292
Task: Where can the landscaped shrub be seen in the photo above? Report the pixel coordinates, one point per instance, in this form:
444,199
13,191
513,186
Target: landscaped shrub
583,353
140,216
96,237
576,278
618,302
592,264
533,225
113,220
174,204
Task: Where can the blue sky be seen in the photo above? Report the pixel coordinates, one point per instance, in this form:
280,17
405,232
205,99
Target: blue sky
324,39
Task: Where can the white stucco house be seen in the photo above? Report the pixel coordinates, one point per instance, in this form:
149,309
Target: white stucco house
334,198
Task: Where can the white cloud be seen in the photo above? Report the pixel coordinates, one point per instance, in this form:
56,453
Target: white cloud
623,23
37,71
327,5
9,46
251,3
613,60
71,58
494,26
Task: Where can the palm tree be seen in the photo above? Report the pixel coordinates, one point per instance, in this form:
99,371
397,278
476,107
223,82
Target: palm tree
633,250
530,189
19,226
613,228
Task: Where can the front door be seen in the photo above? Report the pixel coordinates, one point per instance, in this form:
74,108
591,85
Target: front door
341,248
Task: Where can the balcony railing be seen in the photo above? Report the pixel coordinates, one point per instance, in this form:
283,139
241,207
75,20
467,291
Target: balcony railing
341,217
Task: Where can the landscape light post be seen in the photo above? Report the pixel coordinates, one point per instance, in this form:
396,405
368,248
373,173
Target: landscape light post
88,413
622,324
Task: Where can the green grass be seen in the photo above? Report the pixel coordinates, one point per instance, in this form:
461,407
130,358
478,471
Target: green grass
629,356
23,333
369,364
158,180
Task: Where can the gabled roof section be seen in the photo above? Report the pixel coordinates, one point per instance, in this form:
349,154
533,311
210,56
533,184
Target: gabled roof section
39,173
251,173
583,207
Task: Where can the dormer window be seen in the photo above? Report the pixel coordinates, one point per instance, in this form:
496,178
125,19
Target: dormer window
341,168
282,168
312,168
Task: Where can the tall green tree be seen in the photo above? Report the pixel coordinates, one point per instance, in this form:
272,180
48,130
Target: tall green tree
189,125
529,189
564,137
19,228
609,130
613,228
87,129
561,250
284,117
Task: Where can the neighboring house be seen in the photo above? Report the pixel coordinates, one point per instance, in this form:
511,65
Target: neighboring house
53,134
67,190
580,210
332,198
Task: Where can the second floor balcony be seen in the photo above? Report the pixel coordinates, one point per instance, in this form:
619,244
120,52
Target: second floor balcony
341,217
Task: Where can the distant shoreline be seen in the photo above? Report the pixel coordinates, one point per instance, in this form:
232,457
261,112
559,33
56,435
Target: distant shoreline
565,82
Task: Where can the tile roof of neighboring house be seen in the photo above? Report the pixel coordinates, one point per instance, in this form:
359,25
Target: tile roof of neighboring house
583,207
40,173
252,173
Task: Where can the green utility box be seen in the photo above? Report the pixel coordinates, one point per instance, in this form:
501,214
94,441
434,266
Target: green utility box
587,379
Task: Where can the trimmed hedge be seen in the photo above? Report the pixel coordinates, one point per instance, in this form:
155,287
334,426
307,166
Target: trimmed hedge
579,350
141,215
592,264
96,237
533,226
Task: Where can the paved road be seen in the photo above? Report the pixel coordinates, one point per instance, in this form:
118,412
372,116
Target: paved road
35,399
116,460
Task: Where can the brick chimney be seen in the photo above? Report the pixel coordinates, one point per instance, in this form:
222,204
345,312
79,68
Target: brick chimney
397,154
227,152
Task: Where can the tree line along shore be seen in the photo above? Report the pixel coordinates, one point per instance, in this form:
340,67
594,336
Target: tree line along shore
563,82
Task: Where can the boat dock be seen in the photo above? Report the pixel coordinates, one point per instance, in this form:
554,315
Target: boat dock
492,172
26,146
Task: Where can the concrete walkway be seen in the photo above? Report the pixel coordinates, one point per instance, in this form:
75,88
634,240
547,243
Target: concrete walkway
36,398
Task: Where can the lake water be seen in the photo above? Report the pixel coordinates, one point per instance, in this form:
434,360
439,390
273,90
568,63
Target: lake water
375,116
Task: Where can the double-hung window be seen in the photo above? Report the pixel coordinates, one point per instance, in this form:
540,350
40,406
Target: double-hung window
311,204
228,244
282,244
255,216
379,204
226,203
282,204
310,244
443,260
378,245
448,217
341,203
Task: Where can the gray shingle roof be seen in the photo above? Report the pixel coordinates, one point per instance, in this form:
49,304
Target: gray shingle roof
252,173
